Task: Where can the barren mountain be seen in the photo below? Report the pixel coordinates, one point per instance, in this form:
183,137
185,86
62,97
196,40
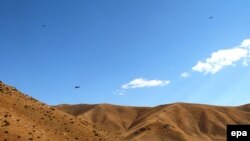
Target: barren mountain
23,118
172,122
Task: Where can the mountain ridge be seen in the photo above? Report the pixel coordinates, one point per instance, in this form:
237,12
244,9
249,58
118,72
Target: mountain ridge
24,118
186,121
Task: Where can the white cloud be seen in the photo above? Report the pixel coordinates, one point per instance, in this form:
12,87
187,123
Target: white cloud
245,43
185,75
141,82
222,58
120,92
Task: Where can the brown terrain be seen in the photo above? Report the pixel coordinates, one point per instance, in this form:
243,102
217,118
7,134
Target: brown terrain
172,122
24,118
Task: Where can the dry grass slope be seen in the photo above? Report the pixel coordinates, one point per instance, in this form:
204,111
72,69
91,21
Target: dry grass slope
172,122
23,118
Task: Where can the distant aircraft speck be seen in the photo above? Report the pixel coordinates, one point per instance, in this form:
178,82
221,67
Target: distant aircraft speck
77,87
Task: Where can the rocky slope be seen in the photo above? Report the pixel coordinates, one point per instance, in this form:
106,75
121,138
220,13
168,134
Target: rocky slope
23,118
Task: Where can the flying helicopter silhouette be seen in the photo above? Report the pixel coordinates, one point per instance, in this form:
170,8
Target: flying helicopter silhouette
77,87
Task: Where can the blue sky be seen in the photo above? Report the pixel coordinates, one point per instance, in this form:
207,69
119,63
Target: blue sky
127,52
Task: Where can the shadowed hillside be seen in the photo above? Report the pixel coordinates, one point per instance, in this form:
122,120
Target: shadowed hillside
117,119
172,122
23,118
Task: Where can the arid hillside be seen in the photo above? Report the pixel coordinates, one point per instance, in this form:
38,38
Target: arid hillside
23,118
172,122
